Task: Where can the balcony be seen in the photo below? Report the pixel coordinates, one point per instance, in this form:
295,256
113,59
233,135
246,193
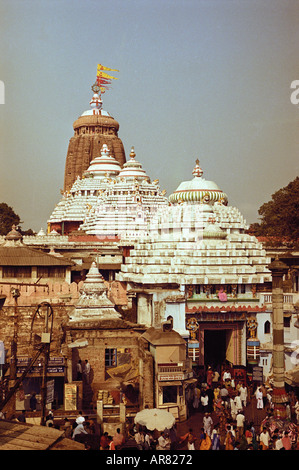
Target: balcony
175,371
289,300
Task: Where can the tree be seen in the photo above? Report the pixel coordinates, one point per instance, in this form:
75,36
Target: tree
8,218
280,216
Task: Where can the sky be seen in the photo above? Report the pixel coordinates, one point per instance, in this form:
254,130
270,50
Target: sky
206,79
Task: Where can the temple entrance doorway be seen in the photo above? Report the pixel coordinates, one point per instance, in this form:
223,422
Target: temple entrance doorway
216,346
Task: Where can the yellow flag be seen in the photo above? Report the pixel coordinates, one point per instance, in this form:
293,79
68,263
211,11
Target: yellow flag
105,75
102,67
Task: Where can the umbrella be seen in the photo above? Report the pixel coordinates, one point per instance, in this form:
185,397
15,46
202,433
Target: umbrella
273,423
155,418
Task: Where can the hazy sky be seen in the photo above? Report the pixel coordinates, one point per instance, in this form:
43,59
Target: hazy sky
207,79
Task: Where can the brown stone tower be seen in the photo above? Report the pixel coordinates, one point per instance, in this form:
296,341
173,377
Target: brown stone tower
92,129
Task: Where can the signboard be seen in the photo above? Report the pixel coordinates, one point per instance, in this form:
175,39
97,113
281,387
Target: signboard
50,391
55,365
70,397
257,374
2,353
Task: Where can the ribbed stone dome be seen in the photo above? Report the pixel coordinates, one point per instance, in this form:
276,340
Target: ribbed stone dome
198,190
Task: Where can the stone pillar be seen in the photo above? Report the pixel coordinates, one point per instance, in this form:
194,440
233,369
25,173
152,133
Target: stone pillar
100,411
122,412
279,396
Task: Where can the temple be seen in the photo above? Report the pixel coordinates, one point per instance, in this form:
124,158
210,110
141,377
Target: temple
94,128
199,267
109,201
141,284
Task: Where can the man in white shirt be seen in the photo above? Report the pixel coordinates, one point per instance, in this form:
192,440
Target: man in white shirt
240,423
163,442
243,395
265,439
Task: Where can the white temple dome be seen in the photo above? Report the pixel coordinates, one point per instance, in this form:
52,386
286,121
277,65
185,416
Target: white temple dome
133,169
104,165
198,190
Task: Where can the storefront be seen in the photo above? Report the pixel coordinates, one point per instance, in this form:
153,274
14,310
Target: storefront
33,381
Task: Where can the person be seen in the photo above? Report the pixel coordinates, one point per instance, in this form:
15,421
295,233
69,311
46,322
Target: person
286,441
224,395
80,418
67,428
226,376
33,402
205,443
190,439
91,425
50,418
215,378
173,437
104,441
79,429
215,438
238,403
259,398
248,435
207,424
209,376
86,371
240,423
229,441
140,439
196,398
265,439
118,439
210,394
278,443
264,392
111,445
204,401
79,370
233,408
243,444
149,441
163,442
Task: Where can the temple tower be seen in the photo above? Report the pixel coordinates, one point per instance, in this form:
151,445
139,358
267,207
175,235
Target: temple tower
94,128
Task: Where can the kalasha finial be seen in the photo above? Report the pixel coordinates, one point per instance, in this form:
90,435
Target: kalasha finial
104,150
96,102
132,154
197,171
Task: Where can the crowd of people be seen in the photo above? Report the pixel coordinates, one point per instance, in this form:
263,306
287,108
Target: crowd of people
223,420
222,401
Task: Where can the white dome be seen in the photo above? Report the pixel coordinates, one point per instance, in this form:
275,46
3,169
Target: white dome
104,165
198,190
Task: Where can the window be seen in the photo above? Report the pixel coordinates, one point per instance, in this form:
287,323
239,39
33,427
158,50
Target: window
110,357
17,271
267,327
287,322
170,394
48,271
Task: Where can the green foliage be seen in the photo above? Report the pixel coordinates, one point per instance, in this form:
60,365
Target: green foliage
8,218
280,216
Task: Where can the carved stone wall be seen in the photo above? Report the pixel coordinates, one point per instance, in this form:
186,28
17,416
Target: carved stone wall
90,133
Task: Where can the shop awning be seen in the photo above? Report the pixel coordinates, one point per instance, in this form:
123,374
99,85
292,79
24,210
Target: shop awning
171,383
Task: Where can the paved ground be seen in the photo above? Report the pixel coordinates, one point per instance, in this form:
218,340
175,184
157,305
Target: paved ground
252,414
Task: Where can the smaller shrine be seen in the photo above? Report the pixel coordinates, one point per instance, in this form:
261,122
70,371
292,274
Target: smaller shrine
97,333
109,201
